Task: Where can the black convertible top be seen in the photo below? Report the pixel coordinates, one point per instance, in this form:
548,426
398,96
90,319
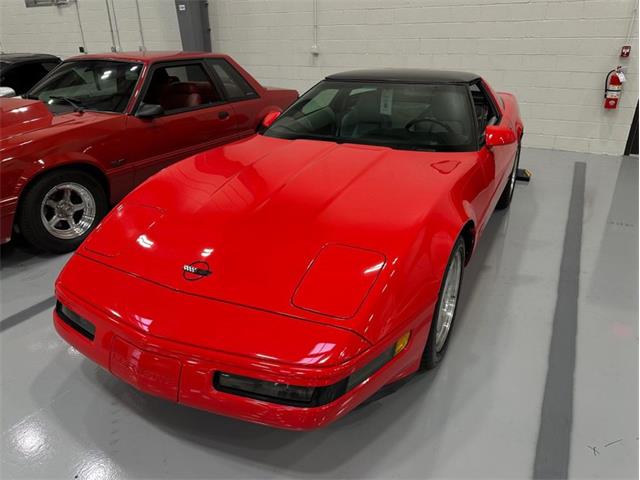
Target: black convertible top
11,58
406,75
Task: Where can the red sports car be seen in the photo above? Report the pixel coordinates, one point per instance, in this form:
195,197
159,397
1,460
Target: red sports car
98,125
286,278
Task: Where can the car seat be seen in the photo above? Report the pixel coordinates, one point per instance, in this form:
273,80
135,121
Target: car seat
364,117
181,95
448,108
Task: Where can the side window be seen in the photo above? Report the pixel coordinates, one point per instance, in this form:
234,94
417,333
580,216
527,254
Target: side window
322,100
23,77
234,84
181,87
484,109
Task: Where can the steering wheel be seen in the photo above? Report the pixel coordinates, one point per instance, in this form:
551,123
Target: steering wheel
417,121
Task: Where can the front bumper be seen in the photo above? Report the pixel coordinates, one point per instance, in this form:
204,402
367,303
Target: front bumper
185,374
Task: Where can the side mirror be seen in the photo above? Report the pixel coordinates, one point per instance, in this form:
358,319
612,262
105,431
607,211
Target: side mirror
149,110
269,118
495,135
7,92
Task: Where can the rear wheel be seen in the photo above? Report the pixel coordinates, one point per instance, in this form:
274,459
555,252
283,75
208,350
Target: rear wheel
60,209
507,193
445,311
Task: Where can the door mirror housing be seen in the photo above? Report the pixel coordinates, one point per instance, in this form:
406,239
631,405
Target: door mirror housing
150,110
7,92
269,118
496,135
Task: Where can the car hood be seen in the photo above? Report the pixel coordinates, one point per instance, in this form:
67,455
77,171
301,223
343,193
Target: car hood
22,120
254,216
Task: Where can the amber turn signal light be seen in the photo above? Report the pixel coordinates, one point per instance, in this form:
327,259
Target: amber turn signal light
401,343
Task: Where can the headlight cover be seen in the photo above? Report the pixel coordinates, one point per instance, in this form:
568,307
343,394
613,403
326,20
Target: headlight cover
338,280
299,396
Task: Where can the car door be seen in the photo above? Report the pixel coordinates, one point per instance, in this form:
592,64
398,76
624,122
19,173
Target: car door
488,113
195,116
498,160
246,102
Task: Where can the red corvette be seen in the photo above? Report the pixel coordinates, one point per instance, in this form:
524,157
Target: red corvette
286,278
98,125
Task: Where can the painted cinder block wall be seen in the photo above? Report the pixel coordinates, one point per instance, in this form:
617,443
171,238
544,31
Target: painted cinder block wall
552,54
55,29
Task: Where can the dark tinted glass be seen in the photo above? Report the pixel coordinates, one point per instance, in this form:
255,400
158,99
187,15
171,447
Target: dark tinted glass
404,116
234,84
22,77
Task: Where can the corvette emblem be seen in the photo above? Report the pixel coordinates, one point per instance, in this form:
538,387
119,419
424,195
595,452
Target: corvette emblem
196,271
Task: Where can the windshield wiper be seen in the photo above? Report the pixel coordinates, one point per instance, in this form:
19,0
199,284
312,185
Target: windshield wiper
76,104
415,148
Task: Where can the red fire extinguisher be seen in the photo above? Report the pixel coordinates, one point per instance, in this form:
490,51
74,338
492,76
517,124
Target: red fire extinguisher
613,88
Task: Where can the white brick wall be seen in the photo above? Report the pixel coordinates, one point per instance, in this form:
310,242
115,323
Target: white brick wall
56,30
553,54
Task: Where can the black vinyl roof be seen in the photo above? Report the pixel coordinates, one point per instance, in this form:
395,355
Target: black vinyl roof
26,57
407,75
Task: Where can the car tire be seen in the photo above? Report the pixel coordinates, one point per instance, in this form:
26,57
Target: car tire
60,209
507,193
445,312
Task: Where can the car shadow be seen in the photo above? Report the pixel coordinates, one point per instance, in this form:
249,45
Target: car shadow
18,254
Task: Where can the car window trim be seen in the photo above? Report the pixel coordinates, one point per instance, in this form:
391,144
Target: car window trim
221,83
191,61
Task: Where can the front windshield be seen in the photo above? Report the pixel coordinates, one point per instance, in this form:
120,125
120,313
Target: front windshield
88,84
427,117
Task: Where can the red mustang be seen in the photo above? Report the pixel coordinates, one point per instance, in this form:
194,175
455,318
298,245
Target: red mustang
286,278
98,125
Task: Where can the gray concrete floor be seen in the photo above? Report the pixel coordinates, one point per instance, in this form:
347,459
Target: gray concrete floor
477,416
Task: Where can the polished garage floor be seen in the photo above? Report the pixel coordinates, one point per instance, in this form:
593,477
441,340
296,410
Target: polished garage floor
538,380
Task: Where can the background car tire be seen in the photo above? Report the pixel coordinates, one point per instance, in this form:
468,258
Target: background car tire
507,193
60,193
432,355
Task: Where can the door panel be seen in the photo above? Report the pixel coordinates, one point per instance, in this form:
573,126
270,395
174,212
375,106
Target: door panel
245,99
486,184
159,142
196,117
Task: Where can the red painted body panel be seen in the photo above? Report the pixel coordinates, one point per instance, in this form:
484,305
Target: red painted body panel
33,141
259,212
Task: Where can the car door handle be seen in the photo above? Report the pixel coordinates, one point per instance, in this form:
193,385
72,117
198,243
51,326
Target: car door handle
222,115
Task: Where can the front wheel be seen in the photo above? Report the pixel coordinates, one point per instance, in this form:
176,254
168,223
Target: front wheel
507,193
445,312
60,209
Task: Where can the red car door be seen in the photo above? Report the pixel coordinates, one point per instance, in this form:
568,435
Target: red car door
503,155
495,162
194,116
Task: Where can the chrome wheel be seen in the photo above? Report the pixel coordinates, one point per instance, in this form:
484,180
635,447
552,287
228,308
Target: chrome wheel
68,211
449,300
